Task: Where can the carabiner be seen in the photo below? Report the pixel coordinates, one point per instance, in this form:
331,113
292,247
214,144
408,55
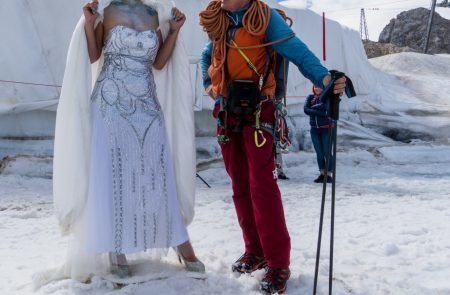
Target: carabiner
258,144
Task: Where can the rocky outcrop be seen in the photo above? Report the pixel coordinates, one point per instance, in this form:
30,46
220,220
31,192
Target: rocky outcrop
27,165
376,49
408,29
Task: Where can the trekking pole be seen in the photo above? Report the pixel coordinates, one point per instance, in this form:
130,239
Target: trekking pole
333,101
198,175
333,202
322,207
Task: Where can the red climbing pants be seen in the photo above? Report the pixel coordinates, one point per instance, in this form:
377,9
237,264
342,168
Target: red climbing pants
256,195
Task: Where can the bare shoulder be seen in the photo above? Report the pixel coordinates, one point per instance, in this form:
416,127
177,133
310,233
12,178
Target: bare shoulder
151,17
113,8
112,14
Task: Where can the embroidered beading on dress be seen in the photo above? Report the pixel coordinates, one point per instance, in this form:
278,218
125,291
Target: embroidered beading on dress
133,206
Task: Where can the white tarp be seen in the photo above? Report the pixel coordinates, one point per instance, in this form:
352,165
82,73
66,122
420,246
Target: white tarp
35,37
36,48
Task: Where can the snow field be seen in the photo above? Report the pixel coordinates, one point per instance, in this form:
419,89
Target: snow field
392,224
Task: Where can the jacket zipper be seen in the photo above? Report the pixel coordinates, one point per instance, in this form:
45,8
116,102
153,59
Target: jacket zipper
317,124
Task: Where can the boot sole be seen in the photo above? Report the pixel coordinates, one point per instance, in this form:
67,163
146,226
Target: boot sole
281,291
238,272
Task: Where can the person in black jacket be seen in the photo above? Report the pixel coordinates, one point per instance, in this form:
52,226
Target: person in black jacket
319,121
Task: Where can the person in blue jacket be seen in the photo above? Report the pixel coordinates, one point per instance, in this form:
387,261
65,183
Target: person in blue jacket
319,121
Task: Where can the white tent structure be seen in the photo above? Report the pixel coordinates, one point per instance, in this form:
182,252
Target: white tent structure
406,100
36,35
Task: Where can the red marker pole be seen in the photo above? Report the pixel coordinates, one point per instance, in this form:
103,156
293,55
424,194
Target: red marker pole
324,38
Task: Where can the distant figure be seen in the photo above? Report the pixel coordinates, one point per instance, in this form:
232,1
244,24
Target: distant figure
317,111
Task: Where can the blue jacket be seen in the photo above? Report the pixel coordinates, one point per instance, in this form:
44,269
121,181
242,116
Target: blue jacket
281,76
317,112
293,49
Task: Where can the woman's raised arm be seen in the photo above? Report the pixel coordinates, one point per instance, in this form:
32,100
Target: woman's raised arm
166,49
94,35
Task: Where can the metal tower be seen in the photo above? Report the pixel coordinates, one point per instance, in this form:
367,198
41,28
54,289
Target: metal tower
363,26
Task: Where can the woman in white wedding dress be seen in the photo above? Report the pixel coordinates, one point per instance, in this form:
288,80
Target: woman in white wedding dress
132,203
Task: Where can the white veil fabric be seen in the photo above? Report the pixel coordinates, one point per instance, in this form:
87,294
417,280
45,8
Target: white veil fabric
73,137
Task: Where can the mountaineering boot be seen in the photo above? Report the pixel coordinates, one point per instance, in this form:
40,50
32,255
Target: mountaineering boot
319,179
282,176
248,263
275,280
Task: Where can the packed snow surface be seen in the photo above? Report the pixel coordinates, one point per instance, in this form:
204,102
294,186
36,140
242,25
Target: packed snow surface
392,225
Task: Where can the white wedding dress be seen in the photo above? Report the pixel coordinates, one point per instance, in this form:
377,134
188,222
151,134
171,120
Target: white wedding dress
124,157
132,200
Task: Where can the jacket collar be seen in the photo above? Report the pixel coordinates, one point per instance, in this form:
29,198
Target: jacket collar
237,16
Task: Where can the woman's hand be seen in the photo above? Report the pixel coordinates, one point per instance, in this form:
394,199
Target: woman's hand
90,12
177,21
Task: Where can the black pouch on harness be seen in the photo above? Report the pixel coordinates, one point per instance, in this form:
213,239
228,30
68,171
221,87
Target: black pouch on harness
243,97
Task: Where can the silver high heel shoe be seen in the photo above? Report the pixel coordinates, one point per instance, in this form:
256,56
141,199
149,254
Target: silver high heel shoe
191,266
122,271
119,265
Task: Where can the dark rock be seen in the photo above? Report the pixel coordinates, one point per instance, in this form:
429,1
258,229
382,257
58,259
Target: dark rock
408,29
376,49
